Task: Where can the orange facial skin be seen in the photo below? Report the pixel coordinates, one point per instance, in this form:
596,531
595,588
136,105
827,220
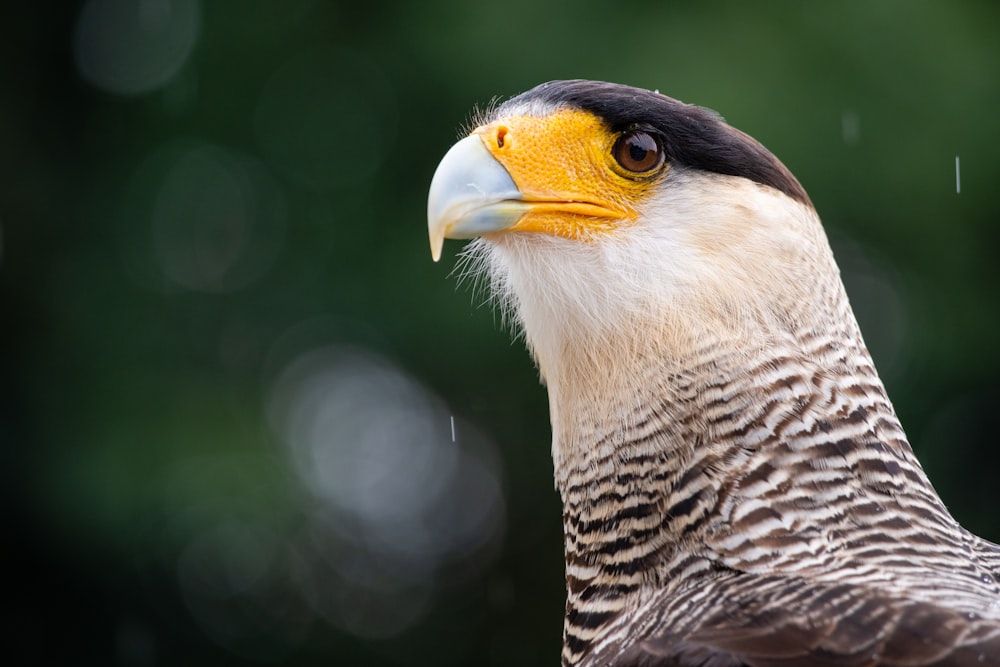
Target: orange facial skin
581,189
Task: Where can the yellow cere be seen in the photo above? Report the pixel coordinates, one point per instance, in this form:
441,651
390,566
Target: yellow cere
562,164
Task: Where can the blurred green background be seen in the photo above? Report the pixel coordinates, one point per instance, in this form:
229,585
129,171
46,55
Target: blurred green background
247,420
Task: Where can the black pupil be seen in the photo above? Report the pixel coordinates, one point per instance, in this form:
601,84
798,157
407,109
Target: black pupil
636,151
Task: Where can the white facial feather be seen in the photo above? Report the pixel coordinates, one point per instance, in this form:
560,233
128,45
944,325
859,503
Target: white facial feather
708,255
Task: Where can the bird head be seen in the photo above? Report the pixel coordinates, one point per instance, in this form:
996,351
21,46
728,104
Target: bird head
620,222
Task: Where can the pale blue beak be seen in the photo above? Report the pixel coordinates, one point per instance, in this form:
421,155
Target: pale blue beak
471,195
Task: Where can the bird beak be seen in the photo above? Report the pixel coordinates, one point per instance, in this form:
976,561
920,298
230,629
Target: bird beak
471,194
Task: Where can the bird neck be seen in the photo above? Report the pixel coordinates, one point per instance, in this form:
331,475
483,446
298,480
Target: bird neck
655,460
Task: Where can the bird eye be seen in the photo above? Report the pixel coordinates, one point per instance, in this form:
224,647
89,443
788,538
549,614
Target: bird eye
637,151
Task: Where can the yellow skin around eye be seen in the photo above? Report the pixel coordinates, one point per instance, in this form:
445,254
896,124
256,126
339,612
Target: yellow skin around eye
563,165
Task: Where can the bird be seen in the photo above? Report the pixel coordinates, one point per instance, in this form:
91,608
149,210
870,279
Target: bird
737,489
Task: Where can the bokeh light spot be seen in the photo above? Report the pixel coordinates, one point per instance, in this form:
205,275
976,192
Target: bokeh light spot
237,579
399,509
132,47
202,218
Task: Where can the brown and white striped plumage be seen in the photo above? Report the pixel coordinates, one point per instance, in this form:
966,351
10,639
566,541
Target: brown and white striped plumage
736,487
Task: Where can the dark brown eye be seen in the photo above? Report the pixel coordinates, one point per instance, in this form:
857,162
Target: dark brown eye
638,152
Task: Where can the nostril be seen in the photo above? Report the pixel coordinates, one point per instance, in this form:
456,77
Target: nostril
501,136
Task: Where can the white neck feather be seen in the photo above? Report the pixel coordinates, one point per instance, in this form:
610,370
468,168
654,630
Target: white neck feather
710,258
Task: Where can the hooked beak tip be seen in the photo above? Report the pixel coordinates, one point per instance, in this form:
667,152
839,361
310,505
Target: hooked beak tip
471,194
